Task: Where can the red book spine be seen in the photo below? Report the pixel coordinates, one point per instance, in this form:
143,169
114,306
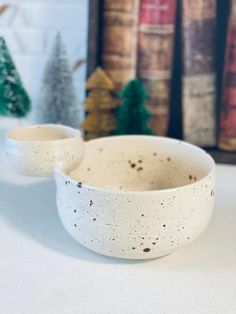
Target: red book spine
227,134
155,55
157,12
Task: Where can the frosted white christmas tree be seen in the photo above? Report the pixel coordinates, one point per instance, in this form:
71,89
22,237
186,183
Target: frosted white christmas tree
57,101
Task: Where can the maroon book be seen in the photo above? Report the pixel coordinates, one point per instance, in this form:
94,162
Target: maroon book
155,55
227,134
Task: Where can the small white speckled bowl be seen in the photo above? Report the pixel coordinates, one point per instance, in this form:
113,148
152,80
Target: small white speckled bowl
137,197
37,150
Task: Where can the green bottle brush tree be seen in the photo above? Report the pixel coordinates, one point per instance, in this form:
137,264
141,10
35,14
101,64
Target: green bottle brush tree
14,100
132,115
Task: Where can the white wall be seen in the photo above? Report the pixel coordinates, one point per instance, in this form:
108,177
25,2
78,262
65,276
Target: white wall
29,28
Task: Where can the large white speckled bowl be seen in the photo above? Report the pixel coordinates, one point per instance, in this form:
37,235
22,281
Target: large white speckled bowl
37,150
137,197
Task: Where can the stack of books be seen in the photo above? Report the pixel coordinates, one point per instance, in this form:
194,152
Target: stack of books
173,48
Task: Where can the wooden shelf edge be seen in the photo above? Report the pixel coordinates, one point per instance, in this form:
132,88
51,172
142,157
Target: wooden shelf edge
221,156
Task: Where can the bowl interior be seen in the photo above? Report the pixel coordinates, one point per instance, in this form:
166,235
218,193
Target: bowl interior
44,132
139,163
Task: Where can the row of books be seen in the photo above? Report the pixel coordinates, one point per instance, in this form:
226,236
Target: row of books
138,40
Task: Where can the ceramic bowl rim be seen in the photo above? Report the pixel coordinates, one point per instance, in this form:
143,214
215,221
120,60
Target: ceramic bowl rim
122,192
77,135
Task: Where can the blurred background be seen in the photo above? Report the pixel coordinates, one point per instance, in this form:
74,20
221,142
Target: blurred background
29,28
182,51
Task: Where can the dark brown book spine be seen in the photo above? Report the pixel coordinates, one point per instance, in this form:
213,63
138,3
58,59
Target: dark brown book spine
155,55
119,47
93,36
199,74
227,134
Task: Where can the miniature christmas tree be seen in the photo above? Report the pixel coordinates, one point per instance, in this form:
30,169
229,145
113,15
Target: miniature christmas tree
99,105
57,101
132,115
14,100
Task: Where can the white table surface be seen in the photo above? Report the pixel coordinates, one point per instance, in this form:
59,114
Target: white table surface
44,271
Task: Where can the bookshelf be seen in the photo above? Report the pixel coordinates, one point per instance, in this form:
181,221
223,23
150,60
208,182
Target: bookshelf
176,123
